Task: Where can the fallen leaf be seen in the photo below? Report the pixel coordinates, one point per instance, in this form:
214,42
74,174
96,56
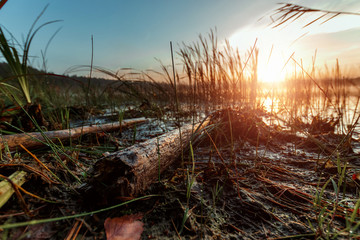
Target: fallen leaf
356,176
124,228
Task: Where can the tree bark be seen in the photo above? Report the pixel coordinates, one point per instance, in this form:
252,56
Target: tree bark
36,139
129,172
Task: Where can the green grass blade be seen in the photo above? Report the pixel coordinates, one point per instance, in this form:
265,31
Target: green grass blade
34,222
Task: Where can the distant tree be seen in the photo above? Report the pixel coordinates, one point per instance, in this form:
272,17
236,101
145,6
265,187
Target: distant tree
293,12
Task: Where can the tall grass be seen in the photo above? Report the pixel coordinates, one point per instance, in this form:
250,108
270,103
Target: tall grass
17,62
219,75
331,97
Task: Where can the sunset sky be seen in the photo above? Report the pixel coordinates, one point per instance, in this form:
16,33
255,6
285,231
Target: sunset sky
131,34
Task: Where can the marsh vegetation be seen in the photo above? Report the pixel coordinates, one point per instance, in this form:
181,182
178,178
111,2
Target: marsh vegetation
268,160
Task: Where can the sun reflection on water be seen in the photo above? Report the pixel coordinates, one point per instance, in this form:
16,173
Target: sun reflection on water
271,105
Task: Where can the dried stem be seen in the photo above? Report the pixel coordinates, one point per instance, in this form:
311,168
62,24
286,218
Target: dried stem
293,12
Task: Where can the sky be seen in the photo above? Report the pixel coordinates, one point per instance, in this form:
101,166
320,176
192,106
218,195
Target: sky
135,33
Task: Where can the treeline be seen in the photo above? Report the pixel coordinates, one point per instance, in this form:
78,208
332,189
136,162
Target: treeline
52,79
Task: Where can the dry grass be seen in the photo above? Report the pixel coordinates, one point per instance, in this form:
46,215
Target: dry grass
291,12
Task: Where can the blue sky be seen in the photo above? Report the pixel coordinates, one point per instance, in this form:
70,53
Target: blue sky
133,33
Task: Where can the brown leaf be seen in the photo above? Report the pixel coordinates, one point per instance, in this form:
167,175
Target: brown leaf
124,228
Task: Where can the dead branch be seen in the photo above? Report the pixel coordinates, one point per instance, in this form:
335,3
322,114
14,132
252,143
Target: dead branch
36,139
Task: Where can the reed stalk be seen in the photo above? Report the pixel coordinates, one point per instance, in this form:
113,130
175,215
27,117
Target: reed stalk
17,63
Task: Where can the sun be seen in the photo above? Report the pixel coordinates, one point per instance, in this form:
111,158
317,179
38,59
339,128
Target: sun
271,68
274,51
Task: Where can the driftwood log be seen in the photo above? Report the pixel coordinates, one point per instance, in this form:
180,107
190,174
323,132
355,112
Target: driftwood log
36,139
30,140
129,172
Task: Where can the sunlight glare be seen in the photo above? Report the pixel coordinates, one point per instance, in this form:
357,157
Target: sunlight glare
271,105
271,69
274,51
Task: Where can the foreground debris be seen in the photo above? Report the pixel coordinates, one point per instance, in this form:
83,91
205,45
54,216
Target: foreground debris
254,181
130,171
8,186
35,139
243,180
